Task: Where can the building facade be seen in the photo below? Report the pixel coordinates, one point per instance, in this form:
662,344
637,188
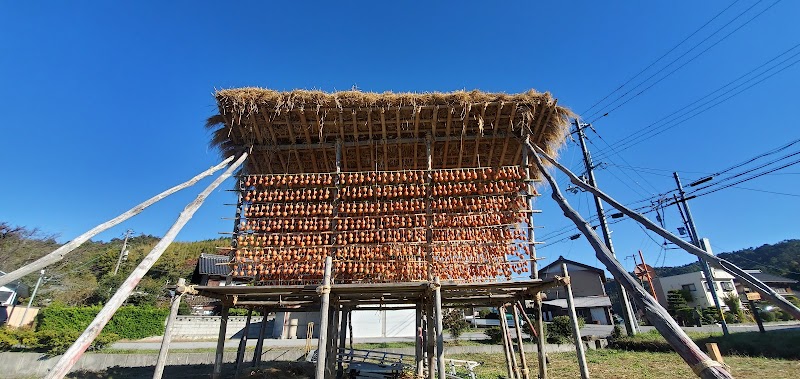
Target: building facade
588,289
695,284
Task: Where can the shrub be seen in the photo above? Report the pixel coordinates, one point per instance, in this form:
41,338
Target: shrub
129,322
767,316
7,339
526,328
560,329
455,323
616,332
495,334
241,312
483,313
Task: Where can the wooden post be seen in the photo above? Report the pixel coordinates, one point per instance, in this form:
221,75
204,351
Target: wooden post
243,343
756,316
324,308
576,329
419,343
731,268
260,343
701,364
62,251
518,330
713,351
75,351
507,348
165,341
218,355
437,299
540,337
430,337
342,341
333,341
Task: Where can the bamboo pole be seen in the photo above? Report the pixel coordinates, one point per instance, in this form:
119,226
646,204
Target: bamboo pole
75,351
576,329
260,343
219,353
437,300
167,339
419,343
430,338
734,270
540,337
62,251
508,350
333,340
518,329
700,363
243,343
342,341
325,298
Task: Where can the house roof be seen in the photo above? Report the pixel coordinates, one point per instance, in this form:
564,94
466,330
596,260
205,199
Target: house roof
582,302
770,278
213,264
561,259
16,286
296,131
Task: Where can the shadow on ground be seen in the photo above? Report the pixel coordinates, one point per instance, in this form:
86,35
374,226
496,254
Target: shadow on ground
276,370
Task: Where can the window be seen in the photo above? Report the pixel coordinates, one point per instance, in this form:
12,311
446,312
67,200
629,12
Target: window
716,287
689,287
727,286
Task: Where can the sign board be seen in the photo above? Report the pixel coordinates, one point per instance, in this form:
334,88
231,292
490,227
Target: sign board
753,296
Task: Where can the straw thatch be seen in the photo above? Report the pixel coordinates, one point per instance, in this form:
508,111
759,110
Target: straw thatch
292,132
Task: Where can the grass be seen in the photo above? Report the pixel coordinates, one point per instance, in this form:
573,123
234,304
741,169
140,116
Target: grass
618,364
784,344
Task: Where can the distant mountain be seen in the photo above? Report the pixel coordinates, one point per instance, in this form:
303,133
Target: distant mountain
782,258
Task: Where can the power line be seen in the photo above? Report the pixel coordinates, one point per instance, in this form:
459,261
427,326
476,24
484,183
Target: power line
661,57
723,180
765,191
685,63
748,179
632,138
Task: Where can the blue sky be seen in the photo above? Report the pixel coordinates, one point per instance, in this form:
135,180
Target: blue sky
104,104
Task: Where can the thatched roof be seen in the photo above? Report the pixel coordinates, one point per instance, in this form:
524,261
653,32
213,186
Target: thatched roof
293,132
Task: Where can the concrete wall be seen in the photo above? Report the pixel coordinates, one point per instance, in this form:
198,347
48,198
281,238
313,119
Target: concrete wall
207,327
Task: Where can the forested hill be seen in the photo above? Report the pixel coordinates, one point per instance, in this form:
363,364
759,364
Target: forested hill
782,258
85,276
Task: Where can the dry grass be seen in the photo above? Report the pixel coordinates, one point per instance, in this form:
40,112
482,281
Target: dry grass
617,364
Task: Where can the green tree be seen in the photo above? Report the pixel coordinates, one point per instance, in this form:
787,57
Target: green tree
455,323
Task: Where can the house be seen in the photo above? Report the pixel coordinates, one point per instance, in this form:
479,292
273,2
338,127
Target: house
588,290
9,295
211,270
779,284
695,284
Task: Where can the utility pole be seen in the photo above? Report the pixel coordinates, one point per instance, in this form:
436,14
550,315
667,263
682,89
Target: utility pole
627,312
30,301
122,251
710,282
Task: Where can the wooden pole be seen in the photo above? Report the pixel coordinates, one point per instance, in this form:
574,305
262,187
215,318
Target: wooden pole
734,270
165,341
576,329
507,348
437,299
243,343
526,374
62,251
342,341
75,351
530,190
333,340
756,316
218,355
518,329
324,308
260,343
430,337
540,337
419,343
700,363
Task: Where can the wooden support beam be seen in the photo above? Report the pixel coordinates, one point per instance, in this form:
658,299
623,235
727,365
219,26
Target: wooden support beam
576,329
446,150
218,355
526,374
731,268
260,342
703,366
243,343
419,355
62,251
167,339
306,126
333,340
73,354
290,128
385,147
430,336
507,348
437,301
495,126
324,309
342,341
540,337
274,139
416,135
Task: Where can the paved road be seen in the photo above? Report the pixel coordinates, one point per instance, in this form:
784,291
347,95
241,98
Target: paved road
596,330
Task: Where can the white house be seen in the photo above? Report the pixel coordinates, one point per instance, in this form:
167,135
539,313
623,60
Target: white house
695,283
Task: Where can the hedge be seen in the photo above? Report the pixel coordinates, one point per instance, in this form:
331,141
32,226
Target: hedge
130,322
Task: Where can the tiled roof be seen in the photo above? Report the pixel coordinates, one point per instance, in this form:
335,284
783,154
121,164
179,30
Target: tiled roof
212,264
769,278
